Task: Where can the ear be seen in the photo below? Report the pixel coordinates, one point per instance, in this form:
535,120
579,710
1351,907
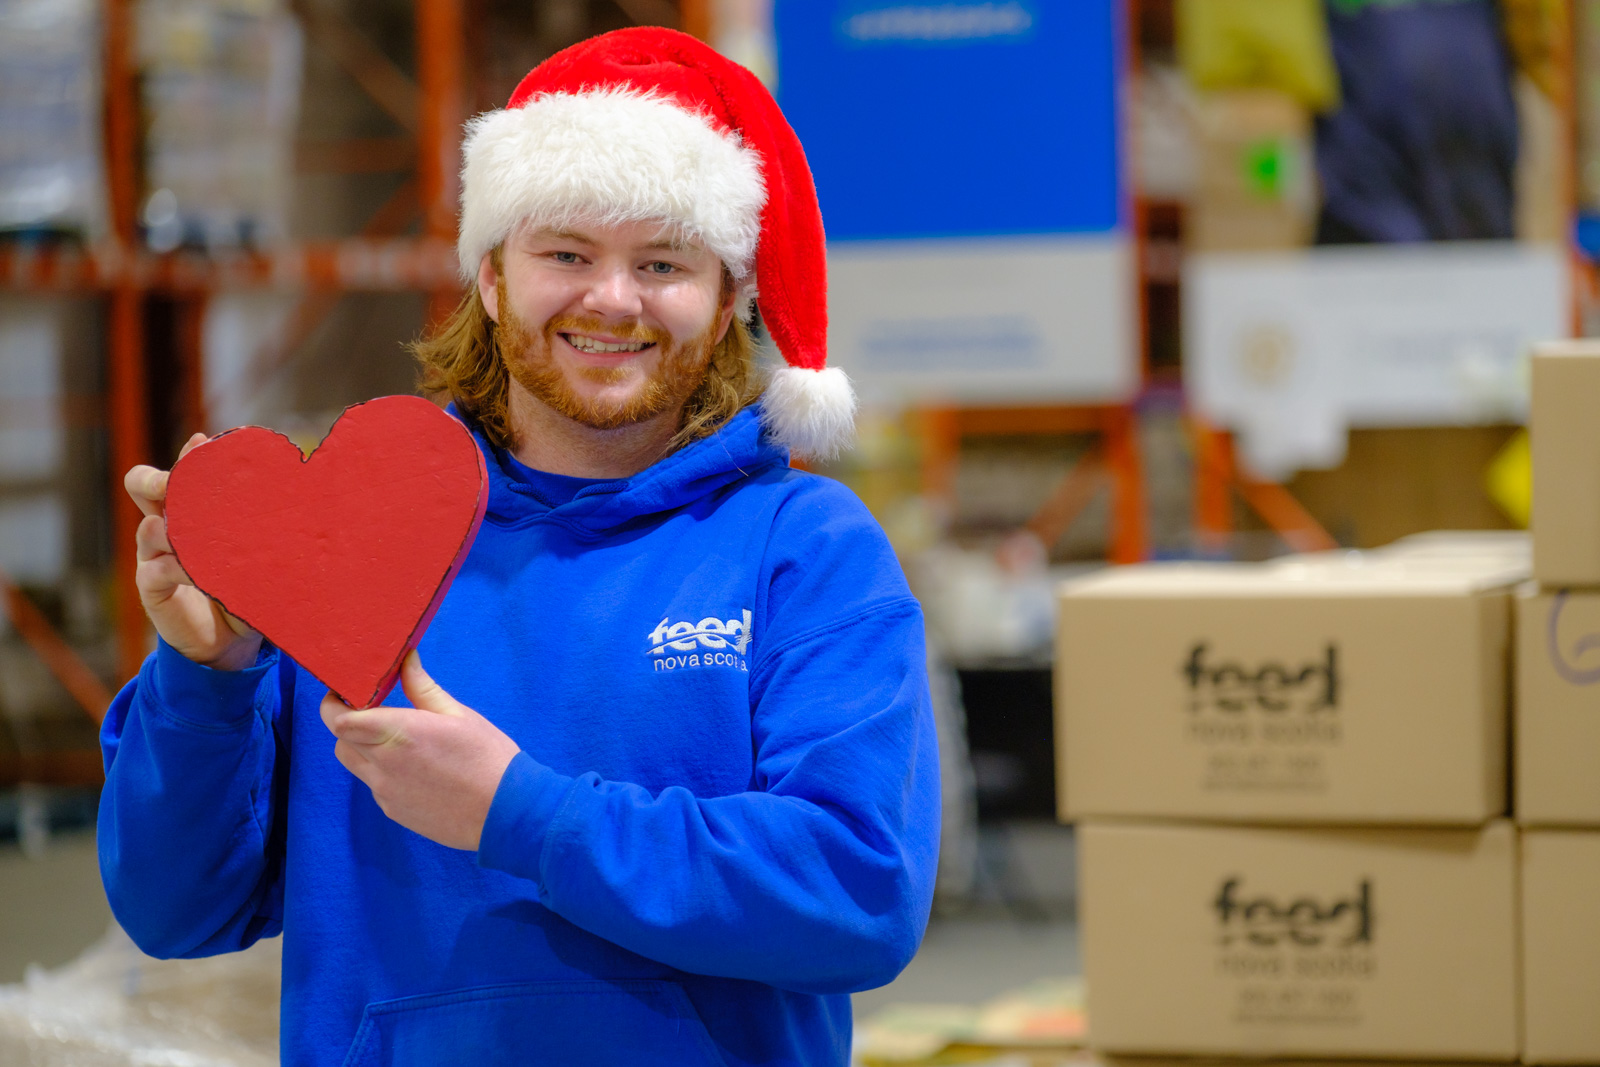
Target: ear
730,302
489,287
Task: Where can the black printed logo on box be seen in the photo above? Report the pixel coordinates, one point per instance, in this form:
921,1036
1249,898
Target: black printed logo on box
1231,686
1305,921
1297,958
1264,722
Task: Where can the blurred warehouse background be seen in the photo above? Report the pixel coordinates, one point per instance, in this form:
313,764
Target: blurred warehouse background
1149,279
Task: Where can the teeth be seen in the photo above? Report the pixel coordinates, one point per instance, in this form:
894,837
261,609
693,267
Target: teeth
589,344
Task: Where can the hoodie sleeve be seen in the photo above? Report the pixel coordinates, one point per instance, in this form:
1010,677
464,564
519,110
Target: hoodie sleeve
819,879
188,835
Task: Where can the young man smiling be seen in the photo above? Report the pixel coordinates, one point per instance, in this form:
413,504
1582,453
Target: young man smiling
674,793
628,324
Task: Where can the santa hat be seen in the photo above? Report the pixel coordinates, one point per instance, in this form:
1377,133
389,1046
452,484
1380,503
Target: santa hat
649,123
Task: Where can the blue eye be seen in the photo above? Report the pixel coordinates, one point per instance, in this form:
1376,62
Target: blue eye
565,257
659,267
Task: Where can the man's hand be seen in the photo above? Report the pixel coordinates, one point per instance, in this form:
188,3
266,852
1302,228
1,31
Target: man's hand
186,618
432,768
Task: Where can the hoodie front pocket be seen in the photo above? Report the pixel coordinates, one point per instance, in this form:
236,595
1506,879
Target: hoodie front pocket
594,1023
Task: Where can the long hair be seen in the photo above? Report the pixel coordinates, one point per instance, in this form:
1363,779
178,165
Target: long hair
462,359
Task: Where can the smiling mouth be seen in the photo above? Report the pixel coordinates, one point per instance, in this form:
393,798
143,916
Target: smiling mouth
594,347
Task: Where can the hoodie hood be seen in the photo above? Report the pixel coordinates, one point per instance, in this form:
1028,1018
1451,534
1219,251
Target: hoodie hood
738,450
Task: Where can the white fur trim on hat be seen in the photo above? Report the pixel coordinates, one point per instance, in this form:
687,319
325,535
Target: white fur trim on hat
608,156
811,412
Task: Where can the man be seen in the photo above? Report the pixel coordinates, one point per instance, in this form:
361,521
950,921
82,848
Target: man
674,792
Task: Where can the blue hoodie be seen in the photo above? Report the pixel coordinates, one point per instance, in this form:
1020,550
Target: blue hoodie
724,817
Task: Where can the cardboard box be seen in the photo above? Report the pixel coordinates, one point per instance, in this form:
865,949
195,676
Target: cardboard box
1312,690
1249,941
1490,561
1511,546
1565,437
1256,187
1557,741
1561,946
1438,548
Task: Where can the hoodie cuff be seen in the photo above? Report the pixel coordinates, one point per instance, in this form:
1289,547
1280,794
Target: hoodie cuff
520,815
201,697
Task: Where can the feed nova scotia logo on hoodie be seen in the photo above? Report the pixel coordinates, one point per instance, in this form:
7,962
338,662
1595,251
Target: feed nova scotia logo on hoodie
711,642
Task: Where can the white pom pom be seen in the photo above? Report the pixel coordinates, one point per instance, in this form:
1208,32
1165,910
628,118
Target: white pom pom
811,412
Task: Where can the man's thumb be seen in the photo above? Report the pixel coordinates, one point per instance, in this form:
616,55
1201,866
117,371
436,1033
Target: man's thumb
423,691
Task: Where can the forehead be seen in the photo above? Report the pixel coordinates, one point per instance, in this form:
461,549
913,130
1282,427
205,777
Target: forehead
637,235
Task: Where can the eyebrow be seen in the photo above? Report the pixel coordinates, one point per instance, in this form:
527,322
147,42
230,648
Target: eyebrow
669,244
661,244
560,235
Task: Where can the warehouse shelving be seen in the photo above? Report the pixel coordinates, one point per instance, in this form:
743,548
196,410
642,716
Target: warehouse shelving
430,109
121,271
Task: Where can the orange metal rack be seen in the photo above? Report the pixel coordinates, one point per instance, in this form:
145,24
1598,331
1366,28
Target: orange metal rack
1114,456
431,109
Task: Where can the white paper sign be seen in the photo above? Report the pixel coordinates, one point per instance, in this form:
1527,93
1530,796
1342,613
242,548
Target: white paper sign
1032,320
1290,349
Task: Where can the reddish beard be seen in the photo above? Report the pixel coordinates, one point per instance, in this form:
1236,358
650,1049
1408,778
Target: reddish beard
529,359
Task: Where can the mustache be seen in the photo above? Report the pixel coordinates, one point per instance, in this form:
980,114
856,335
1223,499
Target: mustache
623,331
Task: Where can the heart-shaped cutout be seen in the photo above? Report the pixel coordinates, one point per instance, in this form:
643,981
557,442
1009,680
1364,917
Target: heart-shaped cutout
339,558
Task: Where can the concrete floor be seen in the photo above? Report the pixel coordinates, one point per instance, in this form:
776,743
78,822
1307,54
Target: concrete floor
51,905
973,959
1020,926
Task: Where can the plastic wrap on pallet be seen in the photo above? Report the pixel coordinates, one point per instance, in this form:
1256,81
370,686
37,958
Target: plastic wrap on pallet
116,1007
52,174
221,89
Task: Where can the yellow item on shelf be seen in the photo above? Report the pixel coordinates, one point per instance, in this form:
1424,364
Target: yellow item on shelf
1537,32
1509,479
1240,44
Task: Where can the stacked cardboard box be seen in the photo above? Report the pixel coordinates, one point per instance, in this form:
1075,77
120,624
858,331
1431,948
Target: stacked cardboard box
1557,742
1291,784
1256,188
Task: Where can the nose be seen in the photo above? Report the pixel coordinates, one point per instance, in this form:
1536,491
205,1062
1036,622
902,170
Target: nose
614,293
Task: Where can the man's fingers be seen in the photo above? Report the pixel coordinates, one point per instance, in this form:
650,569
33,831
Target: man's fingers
236,624
332,707
354,760
423,692
160,576
147,485
373,726
150,540
195,441
148,488
154,552
333,710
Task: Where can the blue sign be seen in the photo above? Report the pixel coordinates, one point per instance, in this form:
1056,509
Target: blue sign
956,119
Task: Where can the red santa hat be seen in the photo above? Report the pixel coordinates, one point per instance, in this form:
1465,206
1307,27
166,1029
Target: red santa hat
649,123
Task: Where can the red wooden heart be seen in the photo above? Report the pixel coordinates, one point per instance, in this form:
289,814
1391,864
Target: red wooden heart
340,558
